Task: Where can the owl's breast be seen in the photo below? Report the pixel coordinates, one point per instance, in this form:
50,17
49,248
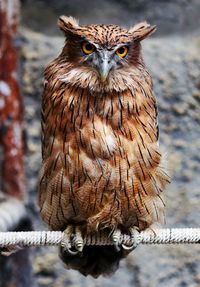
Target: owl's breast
99,157
98,139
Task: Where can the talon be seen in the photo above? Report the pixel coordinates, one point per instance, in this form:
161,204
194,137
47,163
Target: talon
116,236
78,240
135,239
72,241
66,241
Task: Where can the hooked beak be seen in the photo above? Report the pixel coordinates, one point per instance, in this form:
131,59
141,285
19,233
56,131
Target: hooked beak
104,69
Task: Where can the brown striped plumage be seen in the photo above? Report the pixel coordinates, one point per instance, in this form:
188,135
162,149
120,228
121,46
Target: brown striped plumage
102,167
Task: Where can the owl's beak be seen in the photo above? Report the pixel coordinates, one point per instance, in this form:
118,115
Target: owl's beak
104,69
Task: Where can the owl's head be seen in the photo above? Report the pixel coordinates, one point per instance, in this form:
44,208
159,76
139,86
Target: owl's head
99,56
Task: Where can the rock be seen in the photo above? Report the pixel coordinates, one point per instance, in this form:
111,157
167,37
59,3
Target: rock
180,143
180,108
196,95
45,281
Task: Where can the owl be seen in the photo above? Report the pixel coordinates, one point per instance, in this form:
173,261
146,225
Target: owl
102,168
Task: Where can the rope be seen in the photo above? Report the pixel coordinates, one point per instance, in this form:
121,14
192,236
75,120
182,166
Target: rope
160,236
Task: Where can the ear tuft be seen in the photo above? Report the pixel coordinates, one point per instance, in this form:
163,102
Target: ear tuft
141,31
67,24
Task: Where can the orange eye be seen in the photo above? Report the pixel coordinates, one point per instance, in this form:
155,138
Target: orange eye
87,48
122,51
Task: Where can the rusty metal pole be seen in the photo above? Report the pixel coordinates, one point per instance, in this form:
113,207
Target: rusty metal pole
15,270
11,108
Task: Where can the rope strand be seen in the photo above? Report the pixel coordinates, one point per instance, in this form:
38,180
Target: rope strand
159,236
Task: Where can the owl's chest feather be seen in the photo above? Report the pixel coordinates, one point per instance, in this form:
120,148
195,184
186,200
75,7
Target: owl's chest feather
100,150
110,128
90,123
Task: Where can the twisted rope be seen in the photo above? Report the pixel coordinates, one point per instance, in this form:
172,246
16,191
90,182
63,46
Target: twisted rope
160,236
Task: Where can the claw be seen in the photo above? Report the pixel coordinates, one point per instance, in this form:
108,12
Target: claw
72,241
135,239
78,240
116,236
131,245
66,241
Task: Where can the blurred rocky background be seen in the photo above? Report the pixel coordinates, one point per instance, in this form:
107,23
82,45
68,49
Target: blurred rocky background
173,57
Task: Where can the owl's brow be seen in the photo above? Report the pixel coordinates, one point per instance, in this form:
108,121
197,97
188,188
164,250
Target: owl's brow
113,48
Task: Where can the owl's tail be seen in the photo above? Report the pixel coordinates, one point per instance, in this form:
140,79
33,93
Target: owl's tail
94,260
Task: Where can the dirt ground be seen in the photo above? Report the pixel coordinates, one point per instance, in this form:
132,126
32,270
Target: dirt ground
172,56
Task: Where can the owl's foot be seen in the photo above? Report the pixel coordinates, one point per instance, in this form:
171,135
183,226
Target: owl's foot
134,239
116,237
72,241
